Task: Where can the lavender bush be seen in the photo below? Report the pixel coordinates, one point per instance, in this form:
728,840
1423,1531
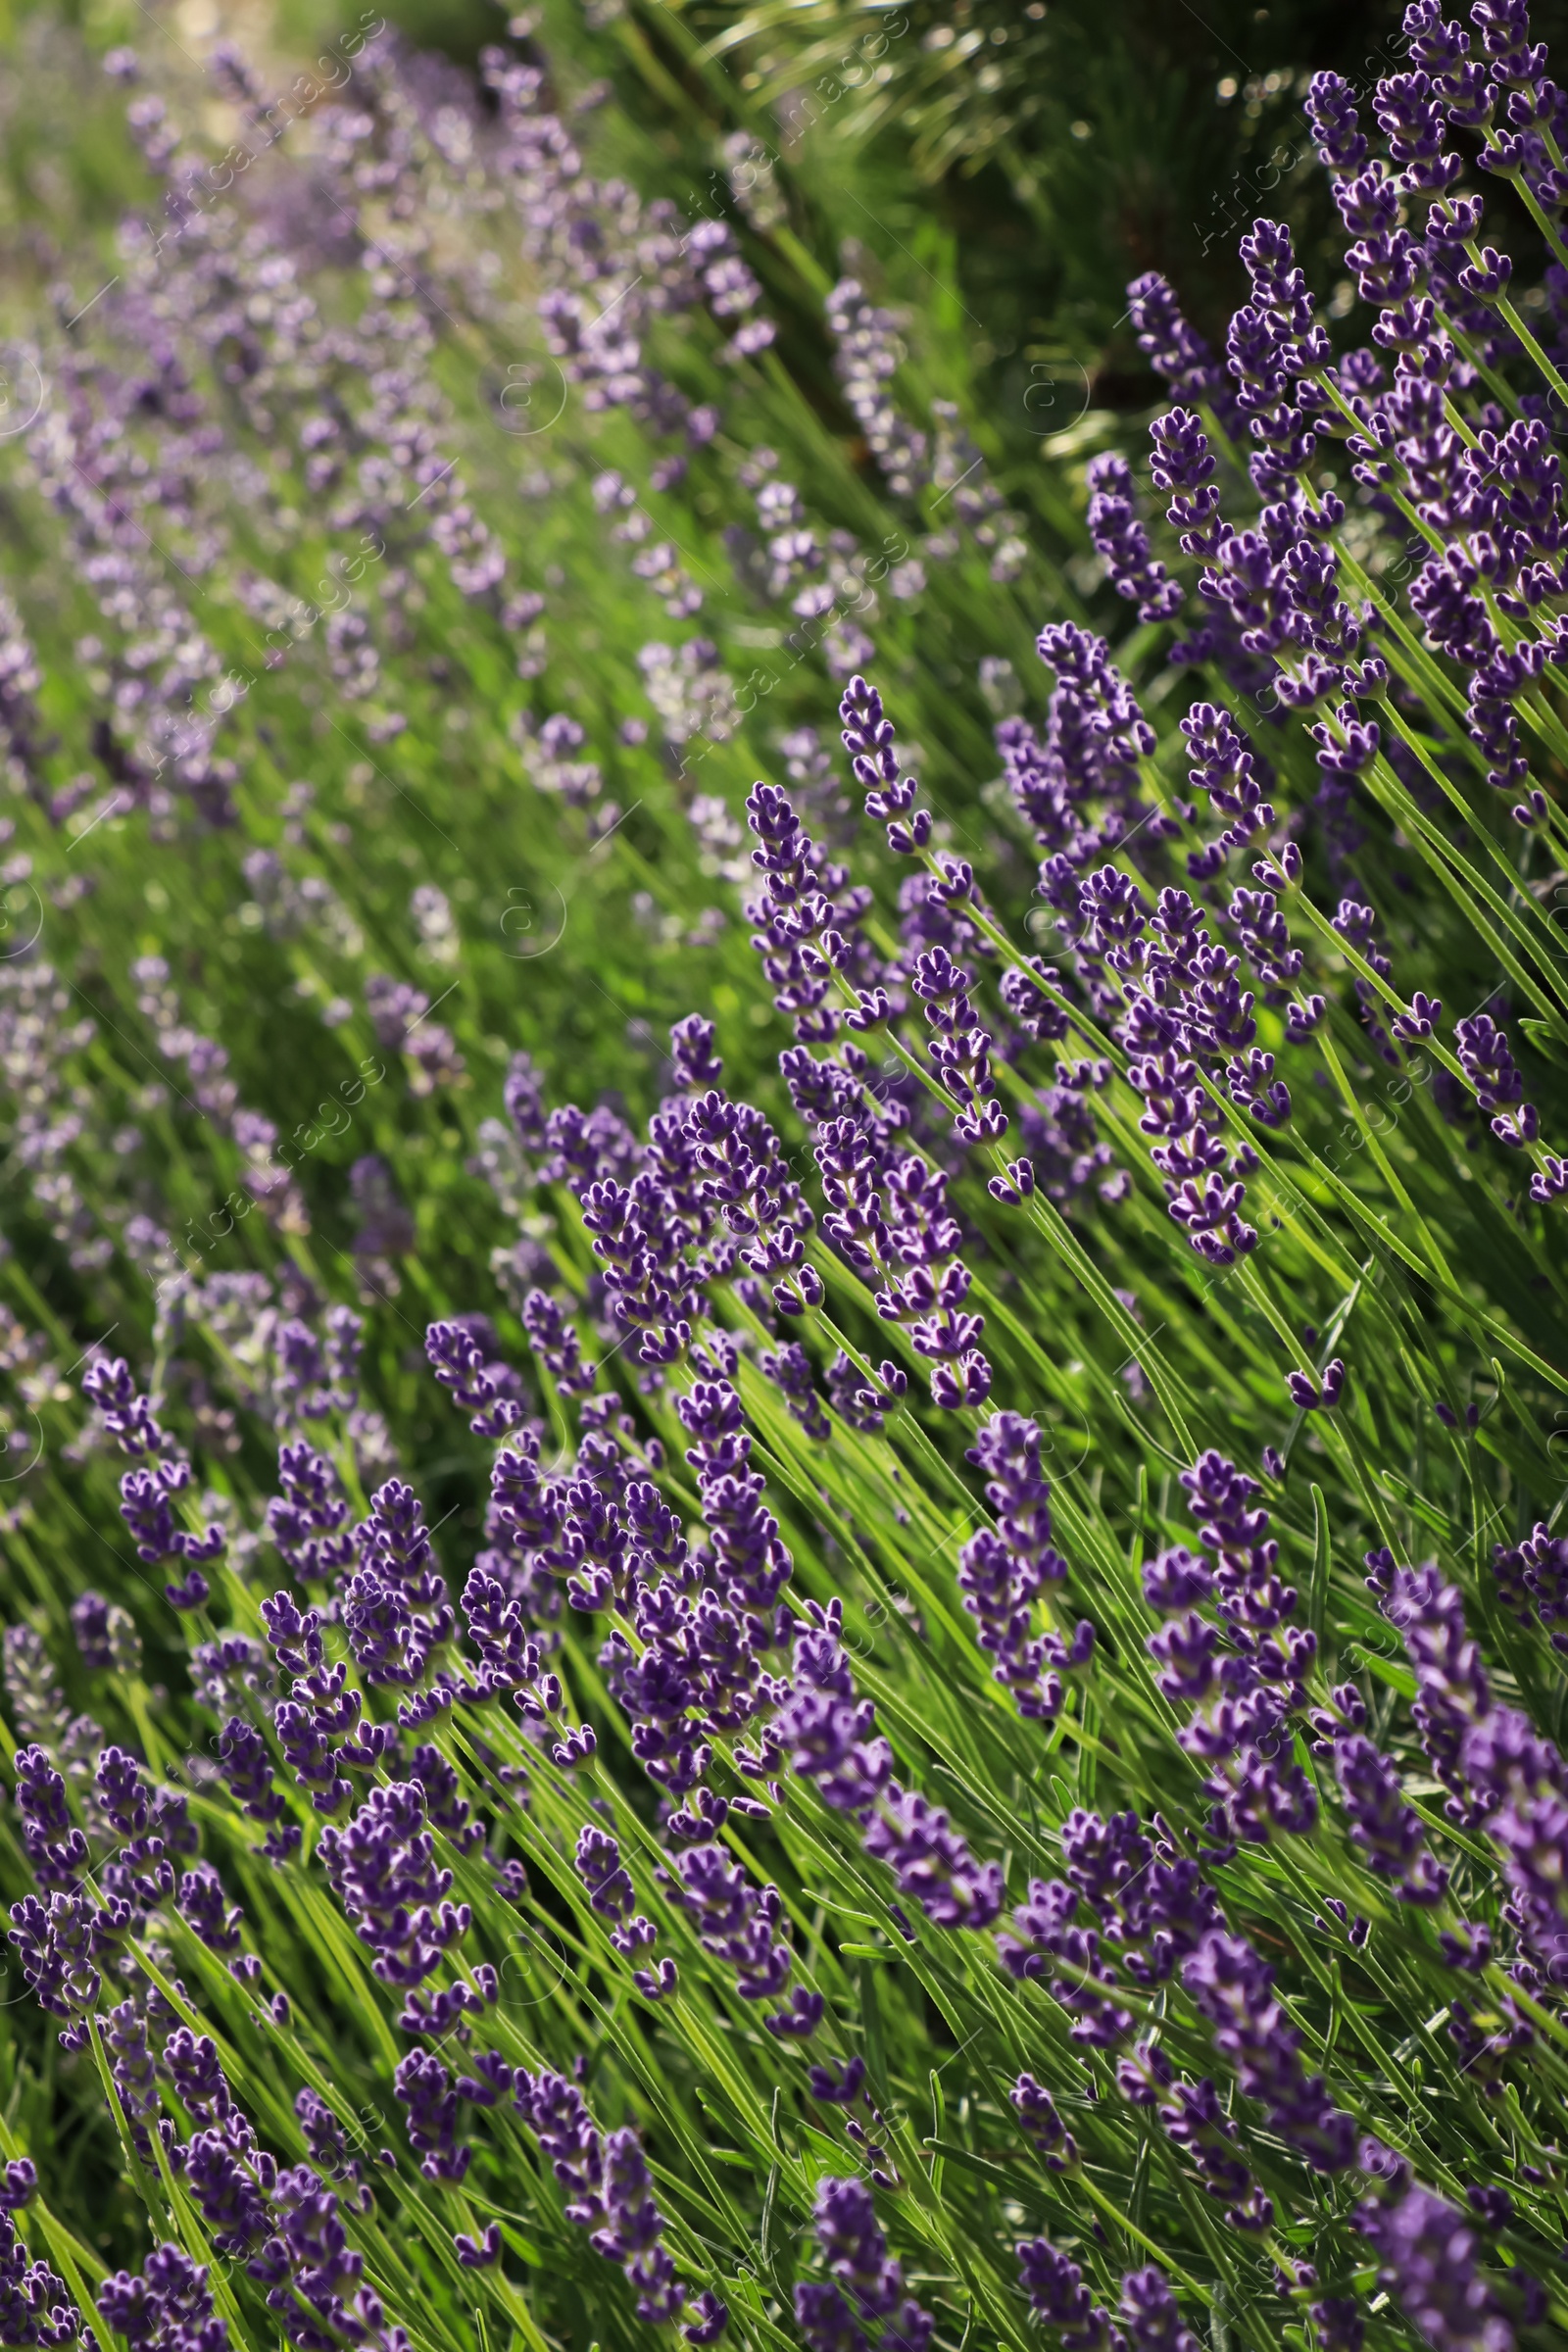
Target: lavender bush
899,1678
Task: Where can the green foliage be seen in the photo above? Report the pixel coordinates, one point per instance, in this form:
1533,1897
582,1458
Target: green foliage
1393,1228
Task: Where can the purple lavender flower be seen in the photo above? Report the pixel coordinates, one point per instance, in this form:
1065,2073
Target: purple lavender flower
1532,1578
398,1013
932,1862
1487,1063
1174,350
323,2135
1001,1576
55,1846
1336,132
305,1521
744,1183
385,1230
126,1415
165,2307
865,2283
424,2085
1122,543
556,1344
960,1052
1522,1783
205,1906
1150,1908
1234,1989
867,735
632,2228
1339,2322
1042,2126
1321,1394
599,1866
35,2306
483,1388
735,1922
1426,2255
556,2113
315,2275
1246,1697
866,356
1452,1688
382,1869
106,1635
752,1563
609,2192
828,1733
19,2185
395,1608
1149,2319
62,1946
790,1370
888,1220
1057,2295
144,1506
1195,2121
1383,1824
247,1768
446,1807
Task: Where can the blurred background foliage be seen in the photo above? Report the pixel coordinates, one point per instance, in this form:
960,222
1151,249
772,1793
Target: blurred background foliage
1053,148
1045,149
1072,145
1060,146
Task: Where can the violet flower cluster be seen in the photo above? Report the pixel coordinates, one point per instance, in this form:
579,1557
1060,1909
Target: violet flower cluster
864,2284
609,2192
1005,1573
147,1492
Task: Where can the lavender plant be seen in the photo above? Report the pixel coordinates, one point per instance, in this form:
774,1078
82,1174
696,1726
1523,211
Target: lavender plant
931,1710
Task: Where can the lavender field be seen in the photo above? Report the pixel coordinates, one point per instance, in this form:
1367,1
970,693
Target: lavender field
783,1303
